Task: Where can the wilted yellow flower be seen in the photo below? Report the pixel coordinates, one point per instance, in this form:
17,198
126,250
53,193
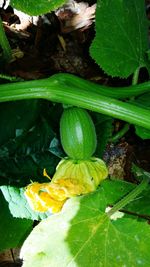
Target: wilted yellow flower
78,177
40,200
72,178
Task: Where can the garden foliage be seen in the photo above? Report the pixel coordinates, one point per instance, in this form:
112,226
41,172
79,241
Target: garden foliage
83,233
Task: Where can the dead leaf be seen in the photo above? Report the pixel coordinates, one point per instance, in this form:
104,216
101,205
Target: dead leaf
73,16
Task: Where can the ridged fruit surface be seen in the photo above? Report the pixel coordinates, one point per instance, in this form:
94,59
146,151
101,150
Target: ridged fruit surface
77,132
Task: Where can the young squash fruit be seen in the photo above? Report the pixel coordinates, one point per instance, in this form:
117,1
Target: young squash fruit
77,133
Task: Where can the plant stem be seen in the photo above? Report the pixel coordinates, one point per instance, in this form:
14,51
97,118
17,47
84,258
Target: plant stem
61,92
126,127
72,81
123,202
115,92
135,76
4,43
121,133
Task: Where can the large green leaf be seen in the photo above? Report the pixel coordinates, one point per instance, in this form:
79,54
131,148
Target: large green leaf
33,8
20,170
25,154
13,196
17,117
82,235
12,231
121,36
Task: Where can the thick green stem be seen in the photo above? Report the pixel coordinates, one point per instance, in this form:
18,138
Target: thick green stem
4,43
135,76
73,81
58,90
132,195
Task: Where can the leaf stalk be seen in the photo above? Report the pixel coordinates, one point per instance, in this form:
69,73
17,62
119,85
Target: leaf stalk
132,195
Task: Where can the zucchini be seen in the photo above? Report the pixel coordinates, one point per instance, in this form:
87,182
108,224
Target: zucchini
77,133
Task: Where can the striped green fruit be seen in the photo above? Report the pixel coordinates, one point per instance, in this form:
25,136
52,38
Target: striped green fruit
77,132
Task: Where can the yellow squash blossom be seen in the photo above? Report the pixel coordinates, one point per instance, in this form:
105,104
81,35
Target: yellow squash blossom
41,200
72,178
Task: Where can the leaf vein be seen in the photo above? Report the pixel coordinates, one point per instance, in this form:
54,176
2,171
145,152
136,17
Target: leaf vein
126,36
102,220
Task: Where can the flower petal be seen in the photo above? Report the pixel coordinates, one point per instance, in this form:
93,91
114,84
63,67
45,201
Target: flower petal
40,200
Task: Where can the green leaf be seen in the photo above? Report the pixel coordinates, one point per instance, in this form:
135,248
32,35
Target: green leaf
12,231
121,36
36,8
142,132
9,78
56,148
20,170
83,235
17,117
142,101
139,172
38,138
115,189
13,196
26,151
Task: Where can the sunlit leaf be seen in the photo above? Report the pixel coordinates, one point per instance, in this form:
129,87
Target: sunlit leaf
83,235
121,39
33,8
13,196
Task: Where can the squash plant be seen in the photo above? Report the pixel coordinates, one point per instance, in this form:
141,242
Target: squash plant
107,226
